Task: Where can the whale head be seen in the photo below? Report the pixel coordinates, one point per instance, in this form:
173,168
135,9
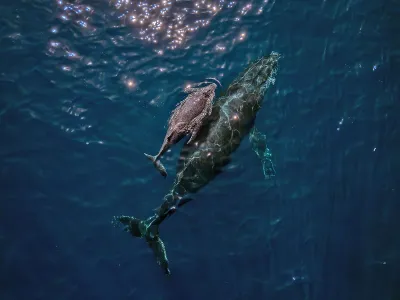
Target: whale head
257,77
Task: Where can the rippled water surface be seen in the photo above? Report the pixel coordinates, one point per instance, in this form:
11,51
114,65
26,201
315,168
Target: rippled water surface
87,87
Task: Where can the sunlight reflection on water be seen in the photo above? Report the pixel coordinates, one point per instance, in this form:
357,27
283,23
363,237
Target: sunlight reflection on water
116,41
172,22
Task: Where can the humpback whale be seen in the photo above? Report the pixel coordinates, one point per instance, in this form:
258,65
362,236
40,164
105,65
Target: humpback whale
232,118
187,118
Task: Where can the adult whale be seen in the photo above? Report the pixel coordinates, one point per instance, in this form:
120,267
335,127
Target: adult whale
232,118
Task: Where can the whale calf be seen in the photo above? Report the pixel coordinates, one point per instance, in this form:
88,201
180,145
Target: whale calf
232,118
186,118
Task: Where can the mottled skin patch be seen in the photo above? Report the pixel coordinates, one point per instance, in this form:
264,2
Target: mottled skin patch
187,118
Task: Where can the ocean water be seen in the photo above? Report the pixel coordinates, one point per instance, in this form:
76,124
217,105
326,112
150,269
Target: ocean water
86,88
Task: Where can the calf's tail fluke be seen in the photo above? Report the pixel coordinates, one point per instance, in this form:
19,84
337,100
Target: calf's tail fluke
159,166
147,229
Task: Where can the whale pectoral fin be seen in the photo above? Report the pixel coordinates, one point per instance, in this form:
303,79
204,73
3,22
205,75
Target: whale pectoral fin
197,123
197,126
194,134
259,145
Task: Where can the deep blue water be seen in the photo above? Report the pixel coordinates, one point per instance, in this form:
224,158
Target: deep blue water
86,88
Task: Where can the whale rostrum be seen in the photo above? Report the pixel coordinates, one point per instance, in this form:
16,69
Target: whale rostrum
232,117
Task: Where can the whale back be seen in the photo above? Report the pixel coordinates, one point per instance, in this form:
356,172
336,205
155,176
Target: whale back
232,118
192,106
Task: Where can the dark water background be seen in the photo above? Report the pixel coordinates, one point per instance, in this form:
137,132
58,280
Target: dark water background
86,89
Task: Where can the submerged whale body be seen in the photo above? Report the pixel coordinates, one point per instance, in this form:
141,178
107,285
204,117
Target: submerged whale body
232,118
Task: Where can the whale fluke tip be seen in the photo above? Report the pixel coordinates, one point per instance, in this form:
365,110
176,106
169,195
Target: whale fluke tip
147,229
151,157
159,166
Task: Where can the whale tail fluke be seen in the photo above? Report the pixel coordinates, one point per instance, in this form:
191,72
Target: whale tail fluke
147,229
159,166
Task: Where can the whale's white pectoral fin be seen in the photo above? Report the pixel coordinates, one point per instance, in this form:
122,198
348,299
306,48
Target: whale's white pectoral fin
259,144
194,133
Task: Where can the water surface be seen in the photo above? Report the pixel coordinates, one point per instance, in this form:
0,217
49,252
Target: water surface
86,88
